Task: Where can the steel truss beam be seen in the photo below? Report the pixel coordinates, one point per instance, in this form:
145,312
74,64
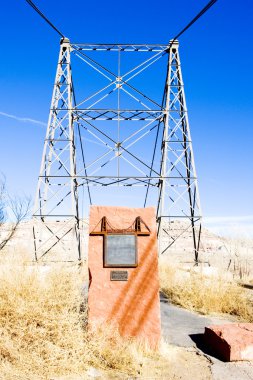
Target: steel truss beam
120,132
121,47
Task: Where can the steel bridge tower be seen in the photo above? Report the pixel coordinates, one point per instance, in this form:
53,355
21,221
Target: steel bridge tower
118,137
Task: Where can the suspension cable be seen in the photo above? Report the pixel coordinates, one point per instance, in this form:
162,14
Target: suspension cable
204,10
44,17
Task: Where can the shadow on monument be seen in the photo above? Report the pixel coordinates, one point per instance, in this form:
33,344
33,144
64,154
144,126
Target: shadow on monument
199,340
128,307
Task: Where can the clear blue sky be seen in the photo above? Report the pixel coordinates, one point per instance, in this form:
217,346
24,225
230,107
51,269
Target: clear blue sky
217,59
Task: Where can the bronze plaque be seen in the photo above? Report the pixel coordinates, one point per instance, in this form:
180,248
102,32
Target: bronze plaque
120,250
119,275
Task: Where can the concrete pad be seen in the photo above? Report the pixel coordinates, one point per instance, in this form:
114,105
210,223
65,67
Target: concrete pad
180,326
232,341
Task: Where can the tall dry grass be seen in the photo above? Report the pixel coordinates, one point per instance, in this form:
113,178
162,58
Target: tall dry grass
205,294
43,332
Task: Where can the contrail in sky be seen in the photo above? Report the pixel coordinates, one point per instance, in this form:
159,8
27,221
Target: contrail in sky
23,119
29,120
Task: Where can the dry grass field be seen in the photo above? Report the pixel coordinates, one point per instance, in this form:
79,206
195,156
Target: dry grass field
43,320
44,335
43,327
214,293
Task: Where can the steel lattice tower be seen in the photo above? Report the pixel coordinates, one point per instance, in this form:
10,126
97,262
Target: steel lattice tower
57,198
140,143
178,193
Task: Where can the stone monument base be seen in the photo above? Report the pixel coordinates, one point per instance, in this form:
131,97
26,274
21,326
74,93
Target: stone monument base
130,302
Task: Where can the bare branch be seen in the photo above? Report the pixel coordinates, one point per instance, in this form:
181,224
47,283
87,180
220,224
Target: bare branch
19,209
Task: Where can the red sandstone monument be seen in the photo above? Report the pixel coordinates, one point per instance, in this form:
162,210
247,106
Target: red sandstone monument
123,269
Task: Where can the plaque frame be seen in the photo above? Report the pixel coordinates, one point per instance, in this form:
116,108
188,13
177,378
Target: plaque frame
119,265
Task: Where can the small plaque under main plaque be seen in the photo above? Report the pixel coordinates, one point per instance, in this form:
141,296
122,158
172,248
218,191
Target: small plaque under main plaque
119,275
